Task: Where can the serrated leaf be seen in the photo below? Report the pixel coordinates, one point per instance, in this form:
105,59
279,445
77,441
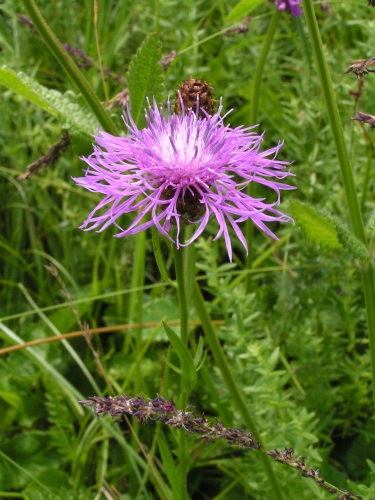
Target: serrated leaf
145,78
242,9
348,240
185,357
71,110
14,82
315,227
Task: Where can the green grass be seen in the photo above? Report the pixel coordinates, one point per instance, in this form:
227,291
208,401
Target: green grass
296,344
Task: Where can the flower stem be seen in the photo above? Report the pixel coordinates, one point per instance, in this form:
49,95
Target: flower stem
355,215
253,117
184,259
68,66
231,384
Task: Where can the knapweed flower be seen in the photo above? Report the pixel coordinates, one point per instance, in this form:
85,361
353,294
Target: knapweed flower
291,5
182,169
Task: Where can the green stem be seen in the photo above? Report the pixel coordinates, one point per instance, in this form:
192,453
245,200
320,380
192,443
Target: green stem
135,302
355,215
367,178
68,66
184,259
231,384
253,117
261,62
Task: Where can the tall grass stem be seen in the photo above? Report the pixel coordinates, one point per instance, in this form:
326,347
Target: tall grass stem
253,117
234,391
184,259
69,66
355,215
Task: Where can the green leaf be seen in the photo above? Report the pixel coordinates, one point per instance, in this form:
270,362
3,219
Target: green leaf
348,240
186,359
71,110
145,77
14,82
326,230
199,353
315,227
273,359
170,467
242,9
171,365
159,256
11,398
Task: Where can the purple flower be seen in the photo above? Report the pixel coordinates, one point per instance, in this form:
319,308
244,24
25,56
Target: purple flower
182,170
292,5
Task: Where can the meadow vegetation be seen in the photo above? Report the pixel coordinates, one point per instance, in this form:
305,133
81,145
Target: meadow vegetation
292,326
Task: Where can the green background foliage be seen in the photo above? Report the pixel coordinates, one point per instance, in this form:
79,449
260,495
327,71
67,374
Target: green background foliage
296,344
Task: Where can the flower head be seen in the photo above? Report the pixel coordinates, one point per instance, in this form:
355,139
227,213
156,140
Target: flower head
365,118
291,5
182,170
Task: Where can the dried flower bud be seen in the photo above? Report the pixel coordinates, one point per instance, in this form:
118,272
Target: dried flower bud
365,118
360,67
241,28
166,60
190,93
81,59
27,21
49,158
120,100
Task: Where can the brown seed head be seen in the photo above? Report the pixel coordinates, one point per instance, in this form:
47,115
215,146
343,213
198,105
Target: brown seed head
188,95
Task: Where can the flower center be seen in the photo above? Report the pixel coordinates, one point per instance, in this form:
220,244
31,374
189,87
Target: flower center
188,206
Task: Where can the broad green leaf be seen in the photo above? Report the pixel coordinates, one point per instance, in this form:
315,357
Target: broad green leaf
326,230
70,109
145,78
18,84
242,9
186,359
315,227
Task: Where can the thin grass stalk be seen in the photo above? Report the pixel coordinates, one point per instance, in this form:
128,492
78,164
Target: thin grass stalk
135,304
69,66
184,317
184,260
253,117
232,386
355,215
